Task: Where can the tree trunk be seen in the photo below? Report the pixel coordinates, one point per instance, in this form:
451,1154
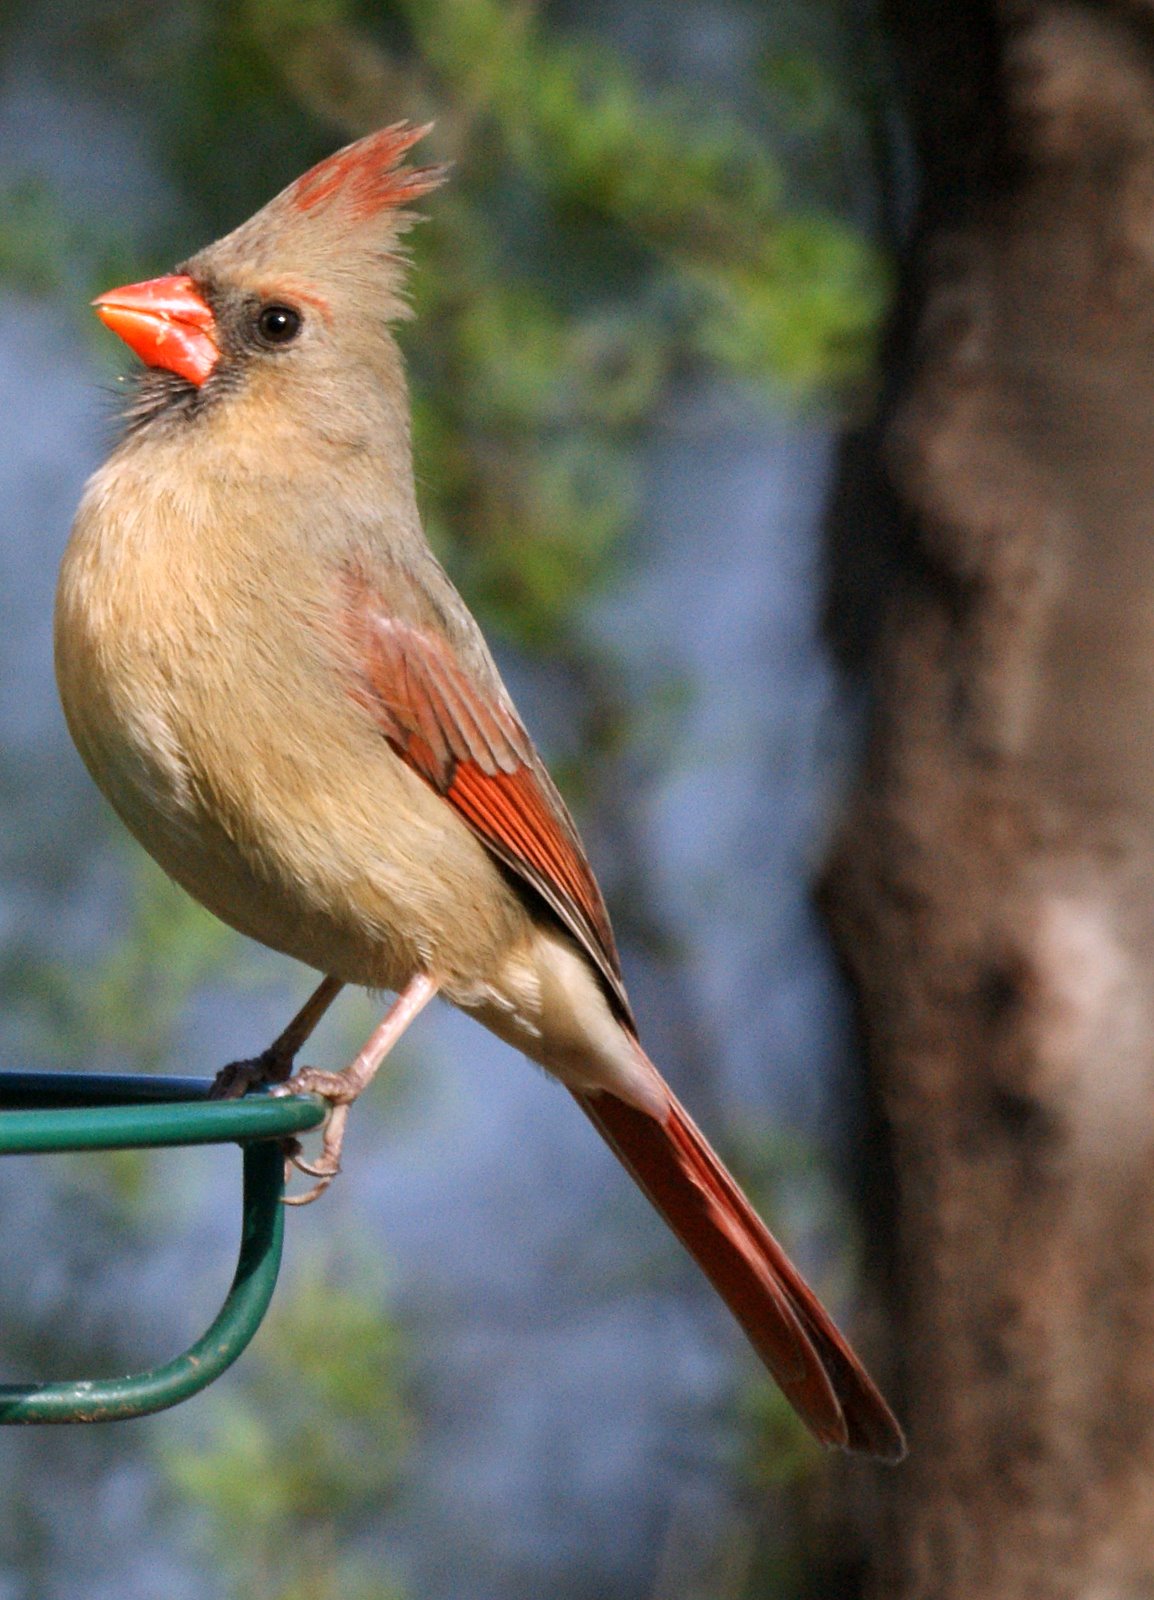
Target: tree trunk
993,890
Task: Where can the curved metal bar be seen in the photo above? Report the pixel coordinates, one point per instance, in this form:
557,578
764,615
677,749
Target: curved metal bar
60,1111
138,1394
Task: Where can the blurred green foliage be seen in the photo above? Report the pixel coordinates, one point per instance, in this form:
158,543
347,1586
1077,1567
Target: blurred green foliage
33,240
283,1466
119,1011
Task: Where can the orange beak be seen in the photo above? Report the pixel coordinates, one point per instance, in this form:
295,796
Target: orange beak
167,324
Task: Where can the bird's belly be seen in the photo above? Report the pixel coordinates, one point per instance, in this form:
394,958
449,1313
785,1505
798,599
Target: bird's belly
355,867
224,727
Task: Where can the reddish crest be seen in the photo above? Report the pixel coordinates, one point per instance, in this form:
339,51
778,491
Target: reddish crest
368,175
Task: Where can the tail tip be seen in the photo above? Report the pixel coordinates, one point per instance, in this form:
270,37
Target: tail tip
880,1437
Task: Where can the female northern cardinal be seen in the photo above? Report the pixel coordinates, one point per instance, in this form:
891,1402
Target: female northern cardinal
283,696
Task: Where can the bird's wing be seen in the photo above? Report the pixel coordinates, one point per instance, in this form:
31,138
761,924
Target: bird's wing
467,742
455,727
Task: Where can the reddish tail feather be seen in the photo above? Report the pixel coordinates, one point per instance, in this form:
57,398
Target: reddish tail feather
784,1320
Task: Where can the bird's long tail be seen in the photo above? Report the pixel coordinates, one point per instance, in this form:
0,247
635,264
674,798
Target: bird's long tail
785,1322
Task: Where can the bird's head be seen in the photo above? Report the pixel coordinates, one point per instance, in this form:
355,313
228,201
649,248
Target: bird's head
289,296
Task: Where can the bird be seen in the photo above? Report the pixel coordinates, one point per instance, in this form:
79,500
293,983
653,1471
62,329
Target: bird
279,690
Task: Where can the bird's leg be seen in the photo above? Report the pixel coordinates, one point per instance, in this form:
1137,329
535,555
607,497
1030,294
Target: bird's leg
340,1089
275,1064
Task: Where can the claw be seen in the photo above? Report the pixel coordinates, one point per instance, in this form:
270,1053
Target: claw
335,1087
275,1064
313,1169
235,1080
339,1089
320,1172
309,1195
328,1163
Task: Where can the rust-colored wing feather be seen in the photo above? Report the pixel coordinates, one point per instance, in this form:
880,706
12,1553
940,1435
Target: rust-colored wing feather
468,743
445,713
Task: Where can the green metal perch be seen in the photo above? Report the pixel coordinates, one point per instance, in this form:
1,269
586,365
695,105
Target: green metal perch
43,1112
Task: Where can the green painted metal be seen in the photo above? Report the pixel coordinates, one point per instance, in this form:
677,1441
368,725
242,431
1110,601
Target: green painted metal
60,1111
124,1111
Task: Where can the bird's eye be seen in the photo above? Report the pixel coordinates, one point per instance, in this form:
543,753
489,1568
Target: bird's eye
278,324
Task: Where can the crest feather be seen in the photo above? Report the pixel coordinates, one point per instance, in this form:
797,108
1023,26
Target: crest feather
367,177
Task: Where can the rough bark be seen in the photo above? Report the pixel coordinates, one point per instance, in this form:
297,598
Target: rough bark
993,890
